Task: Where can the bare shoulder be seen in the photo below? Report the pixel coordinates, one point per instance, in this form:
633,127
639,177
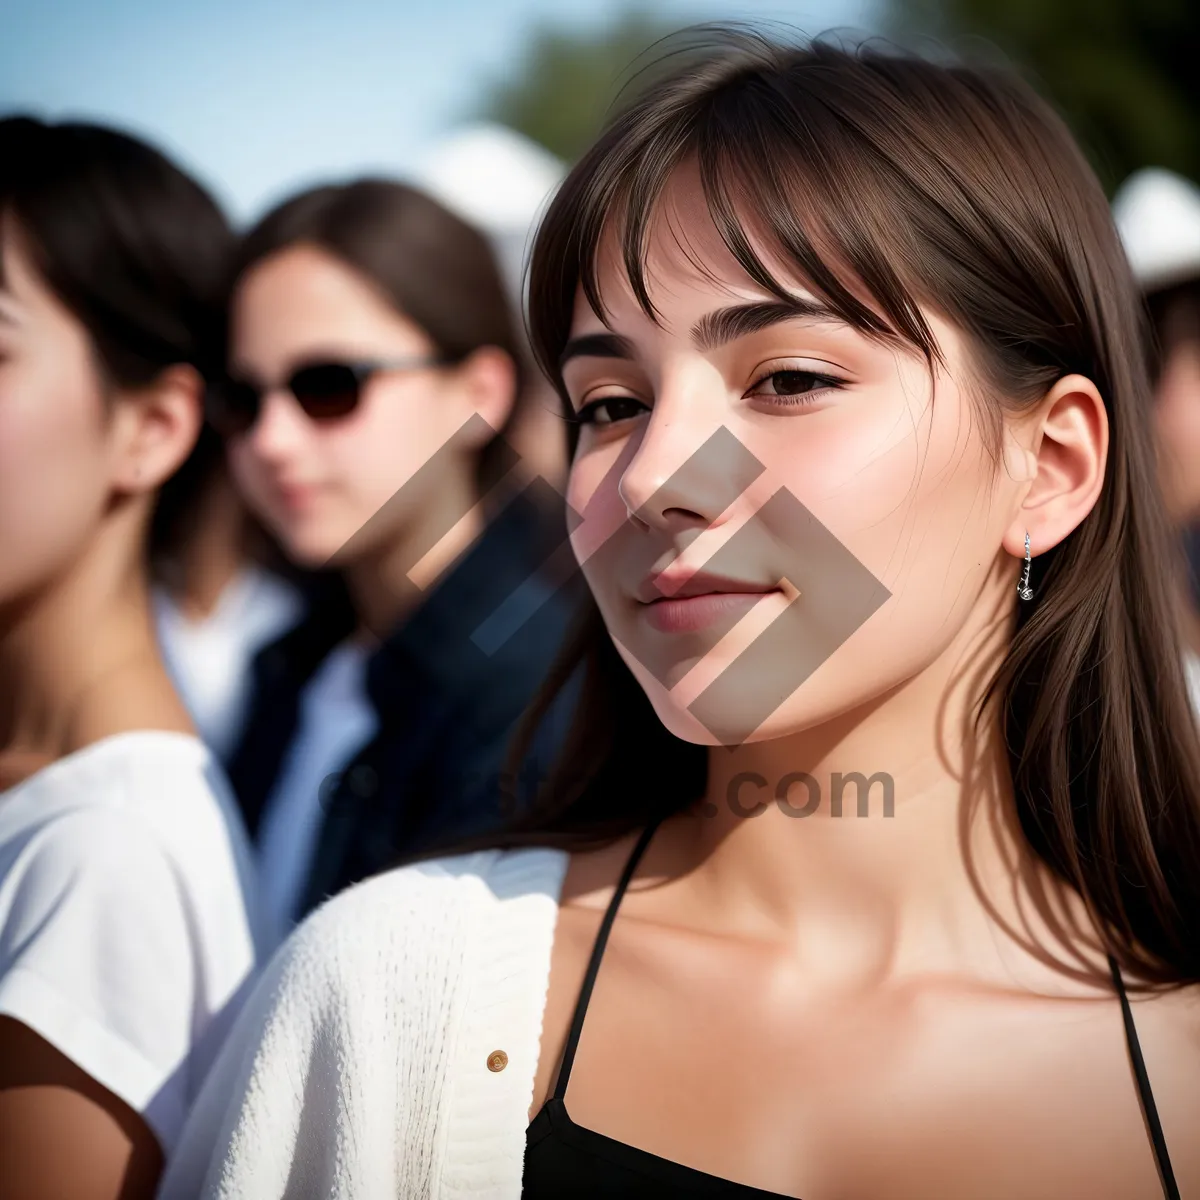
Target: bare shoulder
1173,1015
1168,1033
593,873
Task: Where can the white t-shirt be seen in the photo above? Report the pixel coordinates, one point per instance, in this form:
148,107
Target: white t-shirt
128,918
336,720
209,660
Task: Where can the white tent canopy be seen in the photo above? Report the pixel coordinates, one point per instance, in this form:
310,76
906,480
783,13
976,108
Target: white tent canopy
1158,215
498,180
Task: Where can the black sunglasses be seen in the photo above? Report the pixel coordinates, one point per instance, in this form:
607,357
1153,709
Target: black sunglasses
325,391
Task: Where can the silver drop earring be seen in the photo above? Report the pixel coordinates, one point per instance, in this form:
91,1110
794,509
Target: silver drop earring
1023,588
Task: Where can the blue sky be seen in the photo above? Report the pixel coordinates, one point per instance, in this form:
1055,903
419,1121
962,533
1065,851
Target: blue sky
260,96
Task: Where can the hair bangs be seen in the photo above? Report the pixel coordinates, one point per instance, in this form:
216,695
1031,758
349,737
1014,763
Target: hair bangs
814,210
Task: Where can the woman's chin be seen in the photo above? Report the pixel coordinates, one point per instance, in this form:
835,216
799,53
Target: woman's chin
311,550
681,724
721,728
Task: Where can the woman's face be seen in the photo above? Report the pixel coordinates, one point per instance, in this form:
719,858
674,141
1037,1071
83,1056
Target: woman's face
316,484
848,501
1177,407
56,445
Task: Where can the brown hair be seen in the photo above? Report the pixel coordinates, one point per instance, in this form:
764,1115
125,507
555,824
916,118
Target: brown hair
957,188
436,269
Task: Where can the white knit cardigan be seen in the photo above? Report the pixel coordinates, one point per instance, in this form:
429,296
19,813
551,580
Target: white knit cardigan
359,1067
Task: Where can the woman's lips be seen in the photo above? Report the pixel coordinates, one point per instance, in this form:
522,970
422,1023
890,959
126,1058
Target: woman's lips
688,614
295,498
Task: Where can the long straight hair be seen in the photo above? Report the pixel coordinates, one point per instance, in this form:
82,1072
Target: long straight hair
871,170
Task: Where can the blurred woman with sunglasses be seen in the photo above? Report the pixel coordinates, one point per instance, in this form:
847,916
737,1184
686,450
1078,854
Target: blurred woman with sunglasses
374,367
127,915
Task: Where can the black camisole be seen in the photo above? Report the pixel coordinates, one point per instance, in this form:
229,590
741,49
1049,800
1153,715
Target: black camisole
564,1159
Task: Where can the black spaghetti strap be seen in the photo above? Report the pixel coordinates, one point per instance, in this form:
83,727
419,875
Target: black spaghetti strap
1170,1187
585,992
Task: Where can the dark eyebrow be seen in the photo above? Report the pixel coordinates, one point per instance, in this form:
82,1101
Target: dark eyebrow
712,330
725,324
596,345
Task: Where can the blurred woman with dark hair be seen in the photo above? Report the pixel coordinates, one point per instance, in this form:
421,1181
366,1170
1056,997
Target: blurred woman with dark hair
374,365
127,915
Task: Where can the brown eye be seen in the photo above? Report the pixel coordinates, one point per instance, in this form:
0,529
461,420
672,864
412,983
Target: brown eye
794,383
791,388
610,410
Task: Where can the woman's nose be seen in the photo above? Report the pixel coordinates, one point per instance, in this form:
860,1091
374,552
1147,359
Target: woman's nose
686,470
279,426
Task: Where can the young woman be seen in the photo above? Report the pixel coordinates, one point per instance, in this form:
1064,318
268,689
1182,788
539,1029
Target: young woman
847,340
374,367
127,920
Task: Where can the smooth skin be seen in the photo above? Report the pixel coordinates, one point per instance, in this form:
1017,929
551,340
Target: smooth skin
79,660
905,1007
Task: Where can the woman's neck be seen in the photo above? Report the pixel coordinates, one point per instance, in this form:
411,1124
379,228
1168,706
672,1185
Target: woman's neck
886,839
79,658
214,553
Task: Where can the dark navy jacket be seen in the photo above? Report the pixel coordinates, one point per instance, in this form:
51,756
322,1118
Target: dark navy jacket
448,687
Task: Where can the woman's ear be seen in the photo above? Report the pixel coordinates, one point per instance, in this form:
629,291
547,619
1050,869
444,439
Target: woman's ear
1065,454
488,377
157,427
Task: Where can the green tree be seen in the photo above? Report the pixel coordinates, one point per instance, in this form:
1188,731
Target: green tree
560,94
1125,73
